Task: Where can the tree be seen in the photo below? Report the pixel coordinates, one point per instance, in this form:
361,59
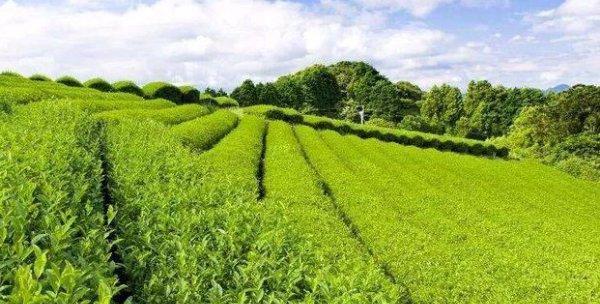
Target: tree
387,103
210,91
270,95
408,90
443,105
290,92
245,94
320,88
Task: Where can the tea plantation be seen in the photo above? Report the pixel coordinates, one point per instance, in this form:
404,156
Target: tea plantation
114,194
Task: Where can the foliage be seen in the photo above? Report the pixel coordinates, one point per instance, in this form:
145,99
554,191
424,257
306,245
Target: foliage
468,227
245,94
11,74
69,81
170,116
99,84
442,105
405,137
295,191
39,77
380,122
130,87
164,90
420,124
224,101
203,132
189,94
53,234
566,127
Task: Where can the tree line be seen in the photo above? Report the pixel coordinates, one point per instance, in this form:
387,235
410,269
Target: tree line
532,122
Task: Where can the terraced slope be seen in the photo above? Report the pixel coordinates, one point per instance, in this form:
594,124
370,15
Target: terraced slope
111,198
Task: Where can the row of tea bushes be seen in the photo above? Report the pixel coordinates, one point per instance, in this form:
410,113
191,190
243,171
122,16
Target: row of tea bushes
201,133
53,229
170,116
404,137
152,90
294,191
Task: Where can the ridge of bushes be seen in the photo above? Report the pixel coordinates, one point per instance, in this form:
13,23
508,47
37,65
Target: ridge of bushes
410,138
189,94
69,81
169,116
39,77
99,84
159,89
127,86
203,132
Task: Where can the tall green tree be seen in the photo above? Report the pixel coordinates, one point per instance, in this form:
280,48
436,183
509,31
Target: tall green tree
443,105
245,94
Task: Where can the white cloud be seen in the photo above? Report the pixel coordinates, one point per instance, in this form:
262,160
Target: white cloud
214,42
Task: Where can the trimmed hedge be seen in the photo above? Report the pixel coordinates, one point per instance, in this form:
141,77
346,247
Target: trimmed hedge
11,74
54,244
224,101
409,138
164,90
203,132
189,94
169,116
99,84
126,86
39,77
69,81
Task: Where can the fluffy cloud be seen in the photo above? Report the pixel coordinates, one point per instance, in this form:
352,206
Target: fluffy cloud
214,42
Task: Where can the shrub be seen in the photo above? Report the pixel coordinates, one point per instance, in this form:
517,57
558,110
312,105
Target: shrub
224,101
99,84
189,94
39,77
380,122
11,74
201,133
54,243
69,81
130,87
170,116
162,90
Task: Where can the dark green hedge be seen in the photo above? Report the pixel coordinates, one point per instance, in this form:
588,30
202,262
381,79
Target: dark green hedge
126,86
39,77
388,135
99,84
189,94
163,90
69,81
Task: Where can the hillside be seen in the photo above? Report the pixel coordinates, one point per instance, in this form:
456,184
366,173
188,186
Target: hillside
109,197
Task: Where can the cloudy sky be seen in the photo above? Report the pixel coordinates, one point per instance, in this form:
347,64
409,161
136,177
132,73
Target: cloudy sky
221,42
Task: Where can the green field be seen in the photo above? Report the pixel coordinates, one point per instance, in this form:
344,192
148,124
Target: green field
109,198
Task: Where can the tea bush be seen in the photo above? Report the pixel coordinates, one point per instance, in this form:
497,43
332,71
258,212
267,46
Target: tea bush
163,90
201,133
128,87
53,233
170,116
294,191
99,84
411,138
224,101
190,94
69,81
39,77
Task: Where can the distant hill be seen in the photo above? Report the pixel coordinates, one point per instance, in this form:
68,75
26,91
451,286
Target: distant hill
559,88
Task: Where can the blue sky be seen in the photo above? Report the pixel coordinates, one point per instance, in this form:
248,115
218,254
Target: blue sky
221,42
